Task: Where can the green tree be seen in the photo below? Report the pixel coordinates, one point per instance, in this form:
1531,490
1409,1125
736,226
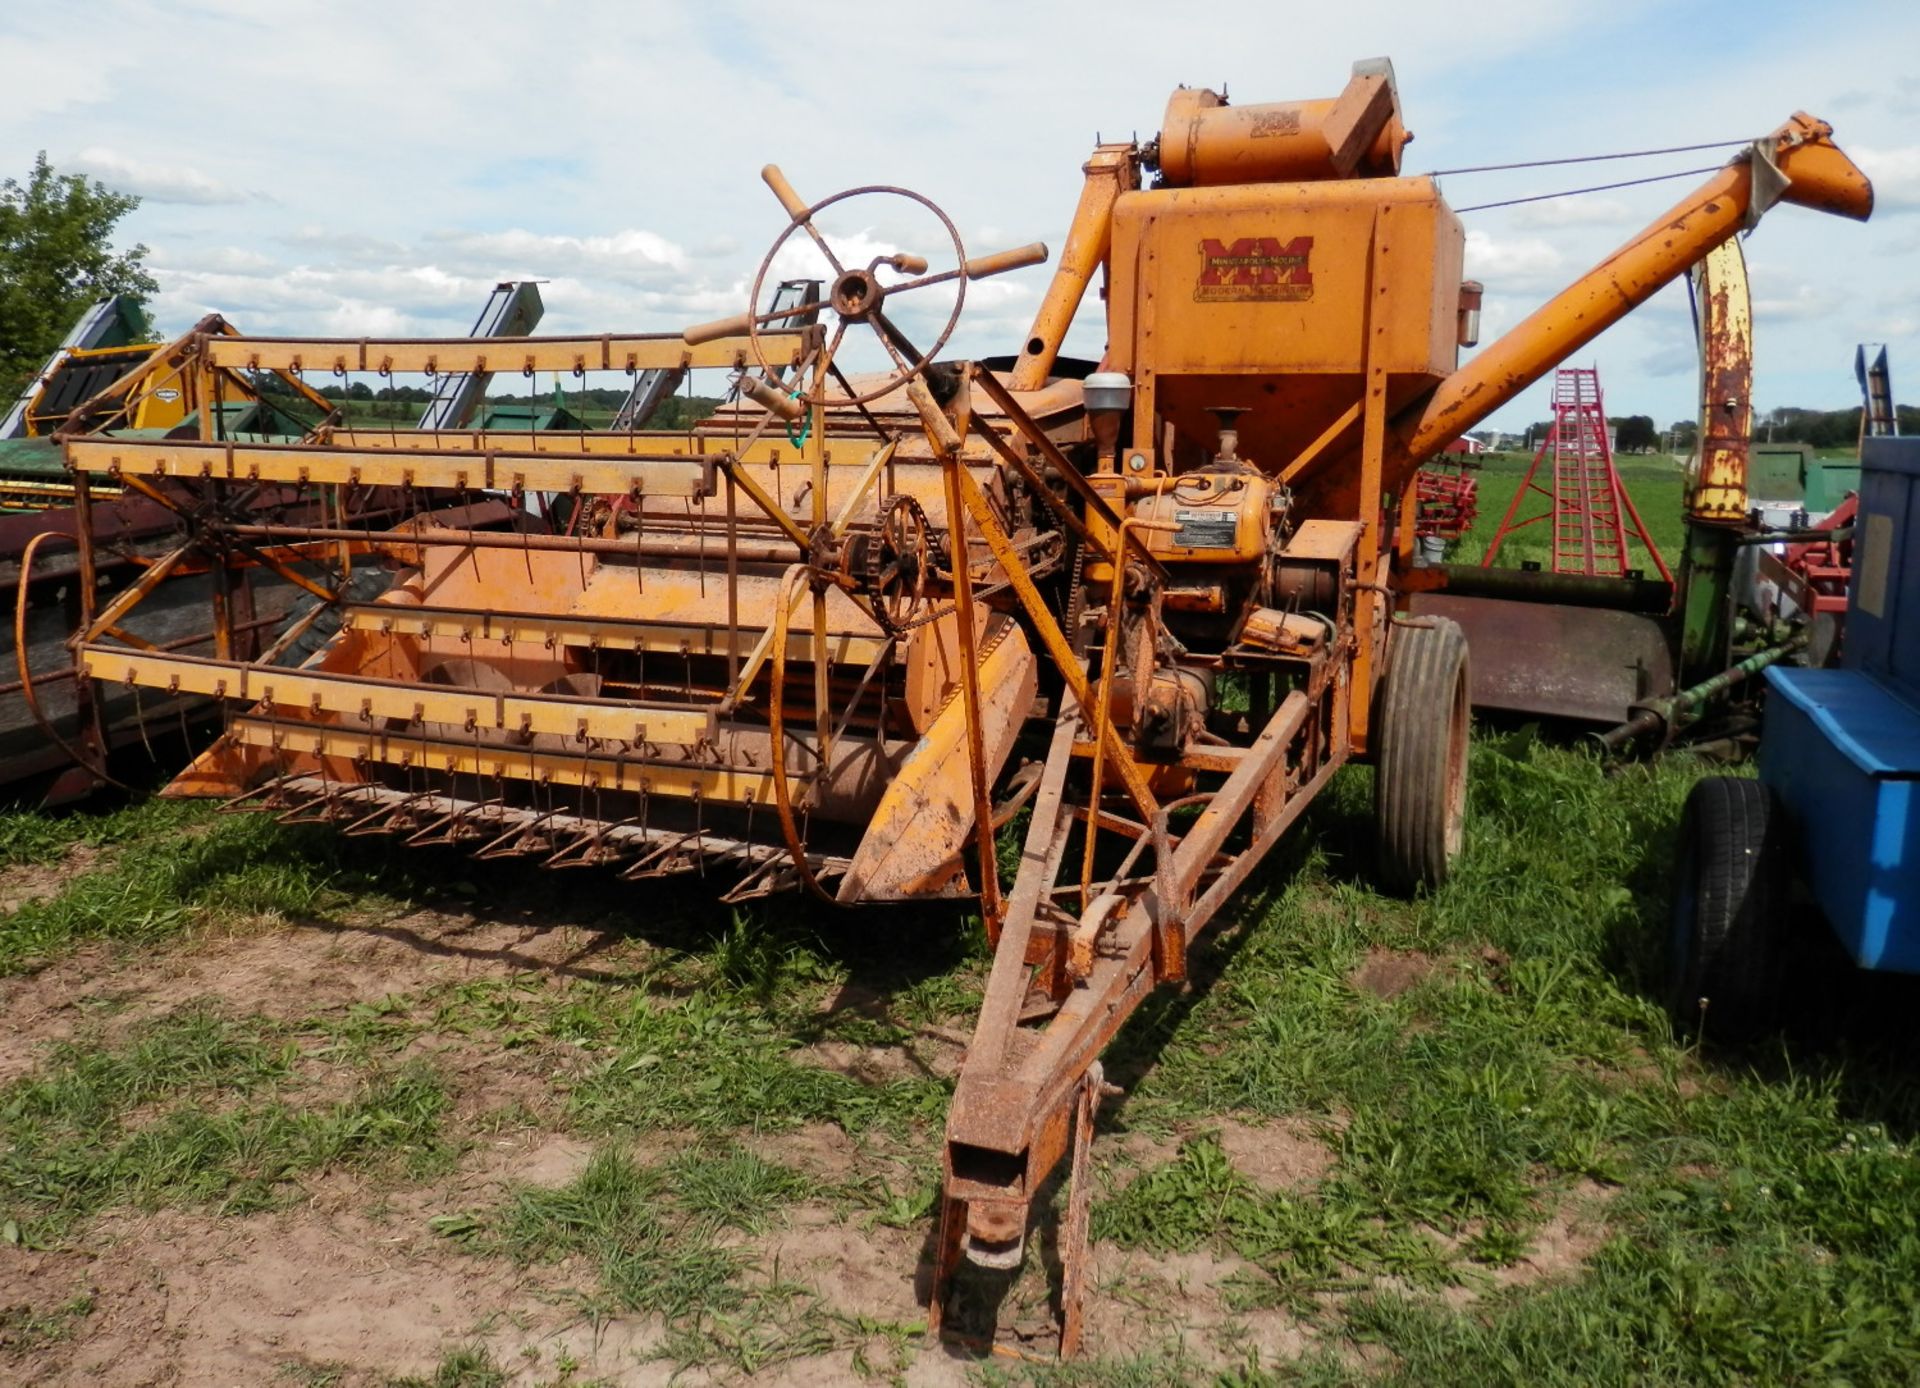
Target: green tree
1634,433
56,257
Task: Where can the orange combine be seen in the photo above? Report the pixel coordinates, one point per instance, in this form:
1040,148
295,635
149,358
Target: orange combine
798,645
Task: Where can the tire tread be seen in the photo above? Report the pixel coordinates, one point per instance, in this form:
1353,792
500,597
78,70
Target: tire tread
1731,952
1426,666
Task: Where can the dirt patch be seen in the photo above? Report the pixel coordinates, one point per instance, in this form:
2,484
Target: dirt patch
865,1271
289,972
25,882
1561,1246
1276,1156
1145,1299
824,1151
882,1064
186,1299
1137,1149
1387,973
531,1158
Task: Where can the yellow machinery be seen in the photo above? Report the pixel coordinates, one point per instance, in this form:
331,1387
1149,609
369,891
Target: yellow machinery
797,645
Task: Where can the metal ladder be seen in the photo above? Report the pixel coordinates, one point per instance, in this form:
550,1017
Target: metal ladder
1589,534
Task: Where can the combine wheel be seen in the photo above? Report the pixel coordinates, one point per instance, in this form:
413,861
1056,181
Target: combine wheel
1724,970
1420,762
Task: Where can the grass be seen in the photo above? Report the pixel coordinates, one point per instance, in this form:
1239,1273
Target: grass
1756,1216
23,1327
1657,485
195,1109
653,1236
31,836
470,1367
1758,1208
176,865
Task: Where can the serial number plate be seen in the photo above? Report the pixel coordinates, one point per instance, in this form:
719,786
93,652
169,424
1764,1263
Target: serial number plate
1206,529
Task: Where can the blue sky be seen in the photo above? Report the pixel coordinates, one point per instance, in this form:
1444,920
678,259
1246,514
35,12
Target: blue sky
352,168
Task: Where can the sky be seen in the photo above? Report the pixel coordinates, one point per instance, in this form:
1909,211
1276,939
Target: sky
357,169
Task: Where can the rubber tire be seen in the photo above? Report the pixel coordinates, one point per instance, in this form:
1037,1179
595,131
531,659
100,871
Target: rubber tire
1731,908
1422,727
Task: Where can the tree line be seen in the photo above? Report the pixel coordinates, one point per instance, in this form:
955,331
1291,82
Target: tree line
1821,429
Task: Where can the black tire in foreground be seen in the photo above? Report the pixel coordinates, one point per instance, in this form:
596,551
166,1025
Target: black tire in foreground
1420,757
1727,946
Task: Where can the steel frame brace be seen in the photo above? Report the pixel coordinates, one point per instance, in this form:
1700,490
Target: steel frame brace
365,698
453,469
589,633
628,352
594,770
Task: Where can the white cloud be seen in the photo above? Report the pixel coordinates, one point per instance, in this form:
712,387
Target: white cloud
628,255
347,245
1901,100
1514,263
1896,177
1574,212
45,76
153,180
1803,303
1672,359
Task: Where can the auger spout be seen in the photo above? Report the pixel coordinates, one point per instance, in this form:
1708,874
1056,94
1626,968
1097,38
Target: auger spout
1798,163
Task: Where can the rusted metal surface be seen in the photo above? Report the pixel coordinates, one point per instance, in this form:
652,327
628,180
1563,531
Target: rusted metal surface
858,295
623,352
1553,661
1718,495
1647,595
1113,170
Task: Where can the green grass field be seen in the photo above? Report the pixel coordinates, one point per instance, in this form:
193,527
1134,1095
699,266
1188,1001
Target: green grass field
1657,485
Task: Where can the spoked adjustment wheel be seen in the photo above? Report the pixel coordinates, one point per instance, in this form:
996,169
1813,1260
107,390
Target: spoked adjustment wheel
858,295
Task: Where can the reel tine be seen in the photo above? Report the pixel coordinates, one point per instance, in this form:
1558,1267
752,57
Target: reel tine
585,848
301,801
772,874
460,824
392,816
670,859
521,840
263,798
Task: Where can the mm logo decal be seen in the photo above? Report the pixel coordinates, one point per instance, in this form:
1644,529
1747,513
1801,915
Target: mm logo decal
1253,268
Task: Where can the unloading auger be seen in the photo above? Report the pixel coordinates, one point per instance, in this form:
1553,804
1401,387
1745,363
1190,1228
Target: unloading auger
801,641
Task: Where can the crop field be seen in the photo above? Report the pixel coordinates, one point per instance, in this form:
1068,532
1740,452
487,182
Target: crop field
1657,484
279,1106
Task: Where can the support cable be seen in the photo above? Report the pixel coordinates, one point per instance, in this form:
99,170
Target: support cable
1588,158
1595,188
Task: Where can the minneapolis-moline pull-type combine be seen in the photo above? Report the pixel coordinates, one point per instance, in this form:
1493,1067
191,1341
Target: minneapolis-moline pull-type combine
796,647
